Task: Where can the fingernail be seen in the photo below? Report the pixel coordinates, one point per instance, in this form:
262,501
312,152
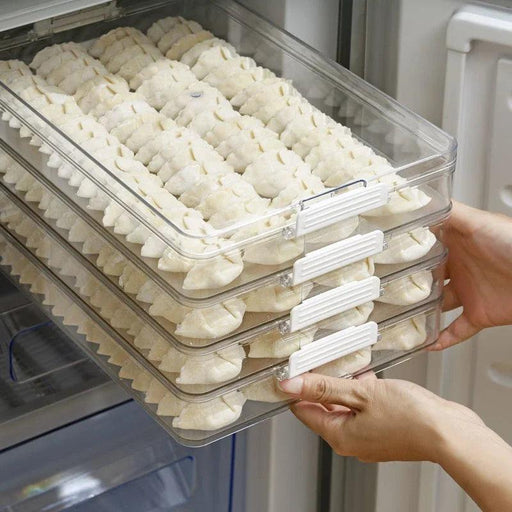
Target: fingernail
292,386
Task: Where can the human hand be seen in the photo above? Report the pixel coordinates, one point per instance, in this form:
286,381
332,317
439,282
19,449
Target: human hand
378,420
479,268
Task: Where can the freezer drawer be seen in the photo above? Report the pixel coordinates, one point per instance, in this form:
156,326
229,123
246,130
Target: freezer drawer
122,461
45,380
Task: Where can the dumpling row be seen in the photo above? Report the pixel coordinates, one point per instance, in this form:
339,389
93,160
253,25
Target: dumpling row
119,159
206,416
334,155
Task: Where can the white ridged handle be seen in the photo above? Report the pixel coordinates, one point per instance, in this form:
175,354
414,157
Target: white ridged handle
323,213
337,255
331,347
332,302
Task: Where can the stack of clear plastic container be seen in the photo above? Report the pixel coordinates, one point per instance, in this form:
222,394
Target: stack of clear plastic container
205,227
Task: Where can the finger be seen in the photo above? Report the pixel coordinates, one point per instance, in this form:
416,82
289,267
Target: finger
326,390
369,375
336,408
450,299
459,330
324,423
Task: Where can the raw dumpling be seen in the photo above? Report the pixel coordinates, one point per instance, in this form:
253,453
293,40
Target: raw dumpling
353,272
212,322
170,405
408,290
407,247
336,134
239,80
405,335
351,318
107,40
162,26
185,43
99,89
178,31
190,57
213,368
405,199
272,172
165,84
272,87
211,415
276,298
211,59
224,130
302,125
277,346
266,390
297,189
346,365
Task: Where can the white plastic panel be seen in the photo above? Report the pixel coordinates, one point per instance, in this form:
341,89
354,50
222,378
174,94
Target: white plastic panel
331,348
327,304
337,255
349,204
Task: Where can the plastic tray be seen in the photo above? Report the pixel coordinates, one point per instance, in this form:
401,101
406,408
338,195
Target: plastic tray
206,375
278,298
418,152
217,417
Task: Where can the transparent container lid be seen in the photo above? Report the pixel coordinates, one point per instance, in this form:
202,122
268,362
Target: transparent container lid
417,151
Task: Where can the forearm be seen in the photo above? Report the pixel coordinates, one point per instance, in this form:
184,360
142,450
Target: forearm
481,463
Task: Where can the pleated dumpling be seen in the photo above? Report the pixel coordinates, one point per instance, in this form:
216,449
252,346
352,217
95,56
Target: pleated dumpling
50,51
353,317
408,289
210,59
212,322
123,111
317,137
347,274
276,298
266,390
406,247
245,146
160,27
275,251
211,415
163,85
347,365
56,60
274,88
298,188
224,130
300,126
170,405
274,170
214,273
217,75
190,57
98,89
175,33
129,54
107,40
221,366
402,200
405,335
186,42
236,82
277,346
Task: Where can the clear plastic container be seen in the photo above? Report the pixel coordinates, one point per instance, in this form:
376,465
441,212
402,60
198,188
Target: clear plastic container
256,308
203,374
244,251
189,421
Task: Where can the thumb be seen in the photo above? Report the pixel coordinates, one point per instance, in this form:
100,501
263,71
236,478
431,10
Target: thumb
459,330
313,387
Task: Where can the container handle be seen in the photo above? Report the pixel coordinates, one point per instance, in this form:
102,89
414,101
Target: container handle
336,255
330,348
332,302
316,215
